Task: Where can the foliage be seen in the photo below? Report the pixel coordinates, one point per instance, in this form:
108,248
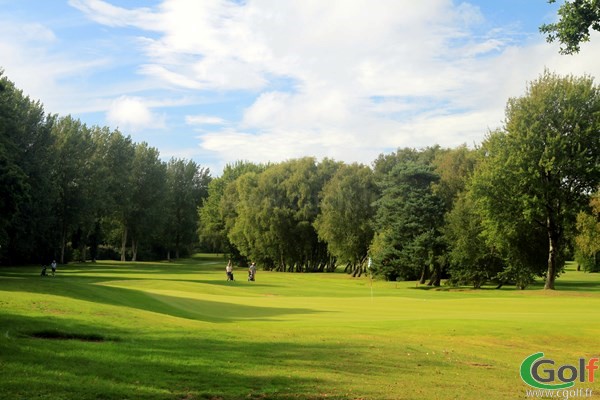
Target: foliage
573,27
503,213
271,220
346,210
473,260
536,174
147,217
27,220
217,212
407,223
587,240
187,185
76,182
455,168
67,187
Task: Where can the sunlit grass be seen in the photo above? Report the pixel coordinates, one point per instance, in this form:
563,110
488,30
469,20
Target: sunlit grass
180,331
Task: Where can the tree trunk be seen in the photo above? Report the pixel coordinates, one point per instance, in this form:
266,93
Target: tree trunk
553,238
63,245
436,275
123,243
134,248
169,255
424,274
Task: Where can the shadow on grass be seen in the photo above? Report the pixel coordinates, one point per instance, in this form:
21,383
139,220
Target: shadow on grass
142,367
446,288
91,289
561,284
578,285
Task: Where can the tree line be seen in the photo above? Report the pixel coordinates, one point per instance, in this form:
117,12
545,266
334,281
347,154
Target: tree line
513,208
70,191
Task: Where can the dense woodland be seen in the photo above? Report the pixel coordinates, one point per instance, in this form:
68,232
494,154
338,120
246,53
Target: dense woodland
514,208
73,192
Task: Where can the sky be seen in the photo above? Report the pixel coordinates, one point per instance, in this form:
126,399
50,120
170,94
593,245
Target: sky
217,81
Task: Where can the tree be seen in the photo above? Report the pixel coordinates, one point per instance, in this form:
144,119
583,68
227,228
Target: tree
187,185
217,212
145,215
269,216
407,221
472,259
28,228
587,241
539,171
344,221
118,151
74,175
573,27
455,168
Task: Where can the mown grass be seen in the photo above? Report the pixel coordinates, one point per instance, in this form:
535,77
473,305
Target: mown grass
178,330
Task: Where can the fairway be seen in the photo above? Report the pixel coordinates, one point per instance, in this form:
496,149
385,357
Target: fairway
179,330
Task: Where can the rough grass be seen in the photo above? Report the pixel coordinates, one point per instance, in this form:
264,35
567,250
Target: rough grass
178,330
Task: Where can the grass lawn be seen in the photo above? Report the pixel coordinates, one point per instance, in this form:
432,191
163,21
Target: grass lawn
178,330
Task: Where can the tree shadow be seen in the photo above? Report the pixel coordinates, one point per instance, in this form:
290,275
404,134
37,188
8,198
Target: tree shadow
150,367
92,289
577,285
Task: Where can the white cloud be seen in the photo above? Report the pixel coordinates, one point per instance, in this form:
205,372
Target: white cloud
204,120
359,77
108,14
32,59
131,113
37,32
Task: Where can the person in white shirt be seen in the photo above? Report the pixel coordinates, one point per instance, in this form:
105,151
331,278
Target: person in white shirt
229,271
252,272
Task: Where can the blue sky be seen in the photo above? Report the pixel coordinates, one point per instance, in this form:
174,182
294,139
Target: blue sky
269,80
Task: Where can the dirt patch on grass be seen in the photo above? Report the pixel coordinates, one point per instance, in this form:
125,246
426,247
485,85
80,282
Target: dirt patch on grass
60,335
480,365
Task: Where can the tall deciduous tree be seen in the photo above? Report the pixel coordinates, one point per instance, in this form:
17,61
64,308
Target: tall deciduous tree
119,153
544,165
27,223
272,214
577,17
587,241
187,185
145,216
217,213
473,260
74,176
346,213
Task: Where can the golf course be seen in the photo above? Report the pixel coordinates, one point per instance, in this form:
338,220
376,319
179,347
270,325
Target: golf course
179,330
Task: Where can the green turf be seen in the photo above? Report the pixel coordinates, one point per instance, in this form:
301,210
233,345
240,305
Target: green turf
178,330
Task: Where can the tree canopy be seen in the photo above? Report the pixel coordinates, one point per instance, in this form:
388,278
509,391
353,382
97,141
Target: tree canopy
542,168
502,213
67,188
577,17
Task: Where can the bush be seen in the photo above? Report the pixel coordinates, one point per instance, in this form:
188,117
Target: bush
588,263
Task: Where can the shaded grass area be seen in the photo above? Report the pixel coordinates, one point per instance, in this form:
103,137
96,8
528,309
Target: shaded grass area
180,331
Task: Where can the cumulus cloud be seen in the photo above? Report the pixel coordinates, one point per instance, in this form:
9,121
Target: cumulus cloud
360,77
132,114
